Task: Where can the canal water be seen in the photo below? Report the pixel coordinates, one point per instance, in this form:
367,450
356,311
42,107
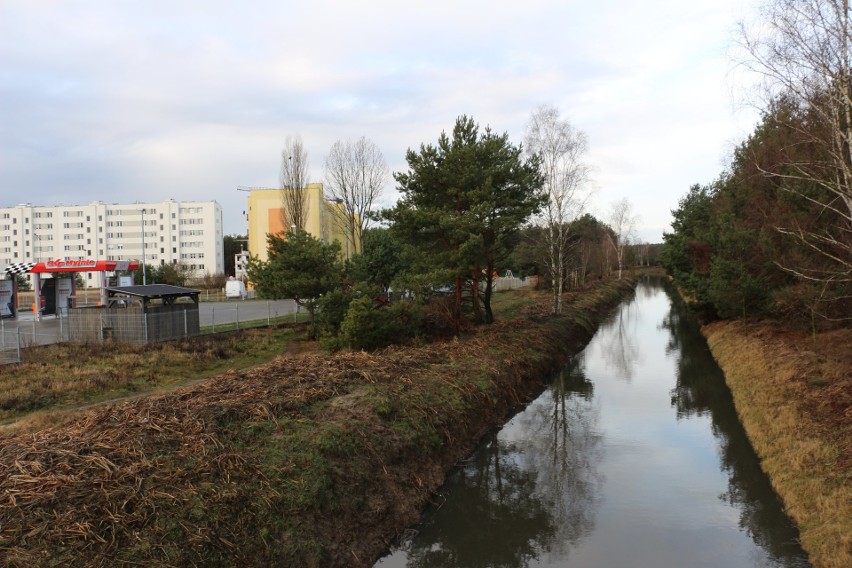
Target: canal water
632,457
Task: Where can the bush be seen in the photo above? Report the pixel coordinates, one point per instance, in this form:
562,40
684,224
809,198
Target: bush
332,310
366,327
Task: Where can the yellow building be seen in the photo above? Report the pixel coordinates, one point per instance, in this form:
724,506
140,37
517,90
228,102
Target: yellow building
267,214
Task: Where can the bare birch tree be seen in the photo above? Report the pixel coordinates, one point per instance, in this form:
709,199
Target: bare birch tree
355,174
561,149
801,52
293,180
622,221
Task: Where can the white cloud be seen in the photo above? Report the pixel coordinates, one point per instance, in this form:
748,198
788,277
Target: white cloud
128,101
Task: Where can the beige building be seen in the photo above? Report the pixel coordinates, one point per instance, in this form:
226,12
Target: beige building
268,215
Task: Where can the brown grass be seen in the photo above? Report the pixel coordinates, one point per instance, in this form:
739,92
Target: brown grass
314,460
59,377
794,398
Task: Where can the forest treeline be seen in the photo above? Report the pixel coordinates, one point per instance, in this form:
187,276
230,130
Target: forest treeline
763,240
773,235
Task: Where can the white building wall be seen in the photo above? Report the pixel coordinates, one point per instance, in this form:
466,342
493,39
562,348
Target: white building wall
175,232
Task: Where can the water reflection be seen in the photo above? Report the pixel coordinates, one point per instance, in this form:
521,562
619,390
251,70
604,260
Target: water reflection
531,489
618,336
700,389
564,445
494,516
599,471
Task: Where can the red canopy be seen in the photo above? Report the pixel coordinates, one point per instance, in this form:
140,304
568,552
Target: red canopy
85,265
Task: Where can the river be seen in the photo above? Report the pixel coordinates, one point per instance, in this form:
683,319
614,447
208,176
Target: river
632,457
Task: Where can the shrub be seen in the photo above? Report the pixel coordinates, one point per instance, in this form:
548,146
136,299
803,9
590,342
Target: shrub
332,310
368,327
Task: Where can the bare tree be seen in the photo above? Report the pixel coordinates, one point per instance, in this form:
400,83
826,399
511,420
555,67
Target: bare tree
622,221
801,51
293,179
355,174
561,149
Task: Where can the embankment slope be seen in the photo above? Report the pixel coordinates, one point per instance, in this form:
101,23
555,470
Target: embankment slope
793,394
313,460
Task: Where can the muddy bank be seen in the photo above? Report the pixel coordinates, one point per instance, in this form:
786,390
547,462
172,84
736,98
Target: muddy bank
304,461
793,394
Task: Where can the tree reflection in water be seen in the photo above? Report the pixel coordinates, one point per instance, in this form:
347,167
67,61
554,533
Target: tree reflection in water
618,338
529,491
565,448
534,493
700,390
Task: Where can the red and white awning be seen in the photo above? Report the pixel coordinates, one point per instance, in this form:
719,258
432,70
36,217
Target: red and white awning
62,265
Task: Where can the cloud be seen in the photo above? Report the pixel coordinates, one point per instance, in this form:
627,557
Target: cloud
126,101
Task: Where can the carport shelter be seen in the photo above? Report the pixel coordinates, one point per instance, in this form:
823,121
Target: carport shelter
139,314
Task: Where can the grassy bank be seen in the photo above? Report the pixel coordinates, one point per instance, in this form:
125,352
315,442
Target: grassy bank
313,460
64,376
794,395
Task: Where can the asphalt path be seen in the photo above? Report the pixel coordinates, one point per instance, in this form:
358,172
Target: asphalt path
53,329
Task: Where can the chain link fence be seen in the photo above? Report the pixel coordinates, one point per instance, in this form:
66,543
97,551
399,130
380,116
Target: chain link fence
10,347
130,325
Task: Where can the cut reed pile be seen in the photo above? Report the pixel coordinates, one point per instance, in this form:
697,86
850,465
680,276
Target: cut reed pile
303,461
794,398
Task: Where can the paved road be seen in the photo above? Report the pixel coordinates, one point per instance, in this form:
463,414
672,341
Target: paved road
52,329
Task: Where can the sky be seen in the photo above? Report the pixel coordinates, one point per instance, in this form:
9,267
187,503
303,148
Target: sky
125,101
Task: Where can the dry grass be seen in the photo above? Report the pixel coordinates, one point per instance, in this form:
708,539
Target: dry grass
62,376
793,397
314,460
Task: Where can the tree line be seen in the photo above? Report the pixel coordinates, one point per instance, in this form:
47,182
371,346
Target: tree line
473,204
772,236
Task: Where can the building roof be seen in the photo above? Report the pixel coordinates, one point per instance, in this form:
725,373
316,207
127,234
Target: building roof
153,291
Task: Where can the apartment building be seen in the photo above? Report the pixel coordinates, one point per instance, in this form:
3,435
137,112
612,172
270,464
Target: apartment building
268,215
168,232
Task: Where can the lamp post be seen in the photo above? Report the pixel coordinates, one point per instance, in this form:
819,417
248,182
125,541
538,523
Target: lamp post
144,271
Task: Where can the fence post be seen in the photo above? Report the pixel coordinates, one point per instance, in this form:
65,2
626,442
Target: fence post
19,345
61,338
185,326
3,332
34,333
145,326
238,316
268,315
213,315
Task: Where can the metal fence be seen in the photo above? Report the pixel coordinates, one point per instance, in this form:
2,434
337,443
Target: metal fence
53,329
10,347
131,325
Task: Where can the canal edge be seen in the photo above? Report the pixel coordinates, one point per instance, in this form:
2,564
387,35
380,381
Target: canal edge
801,459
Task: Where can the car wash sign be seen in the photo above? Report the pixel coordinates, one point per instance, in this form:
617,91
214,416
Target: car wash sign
61,265
66,265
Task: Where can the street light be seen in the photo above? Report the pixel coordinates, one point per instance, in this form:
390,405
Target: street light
144,271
